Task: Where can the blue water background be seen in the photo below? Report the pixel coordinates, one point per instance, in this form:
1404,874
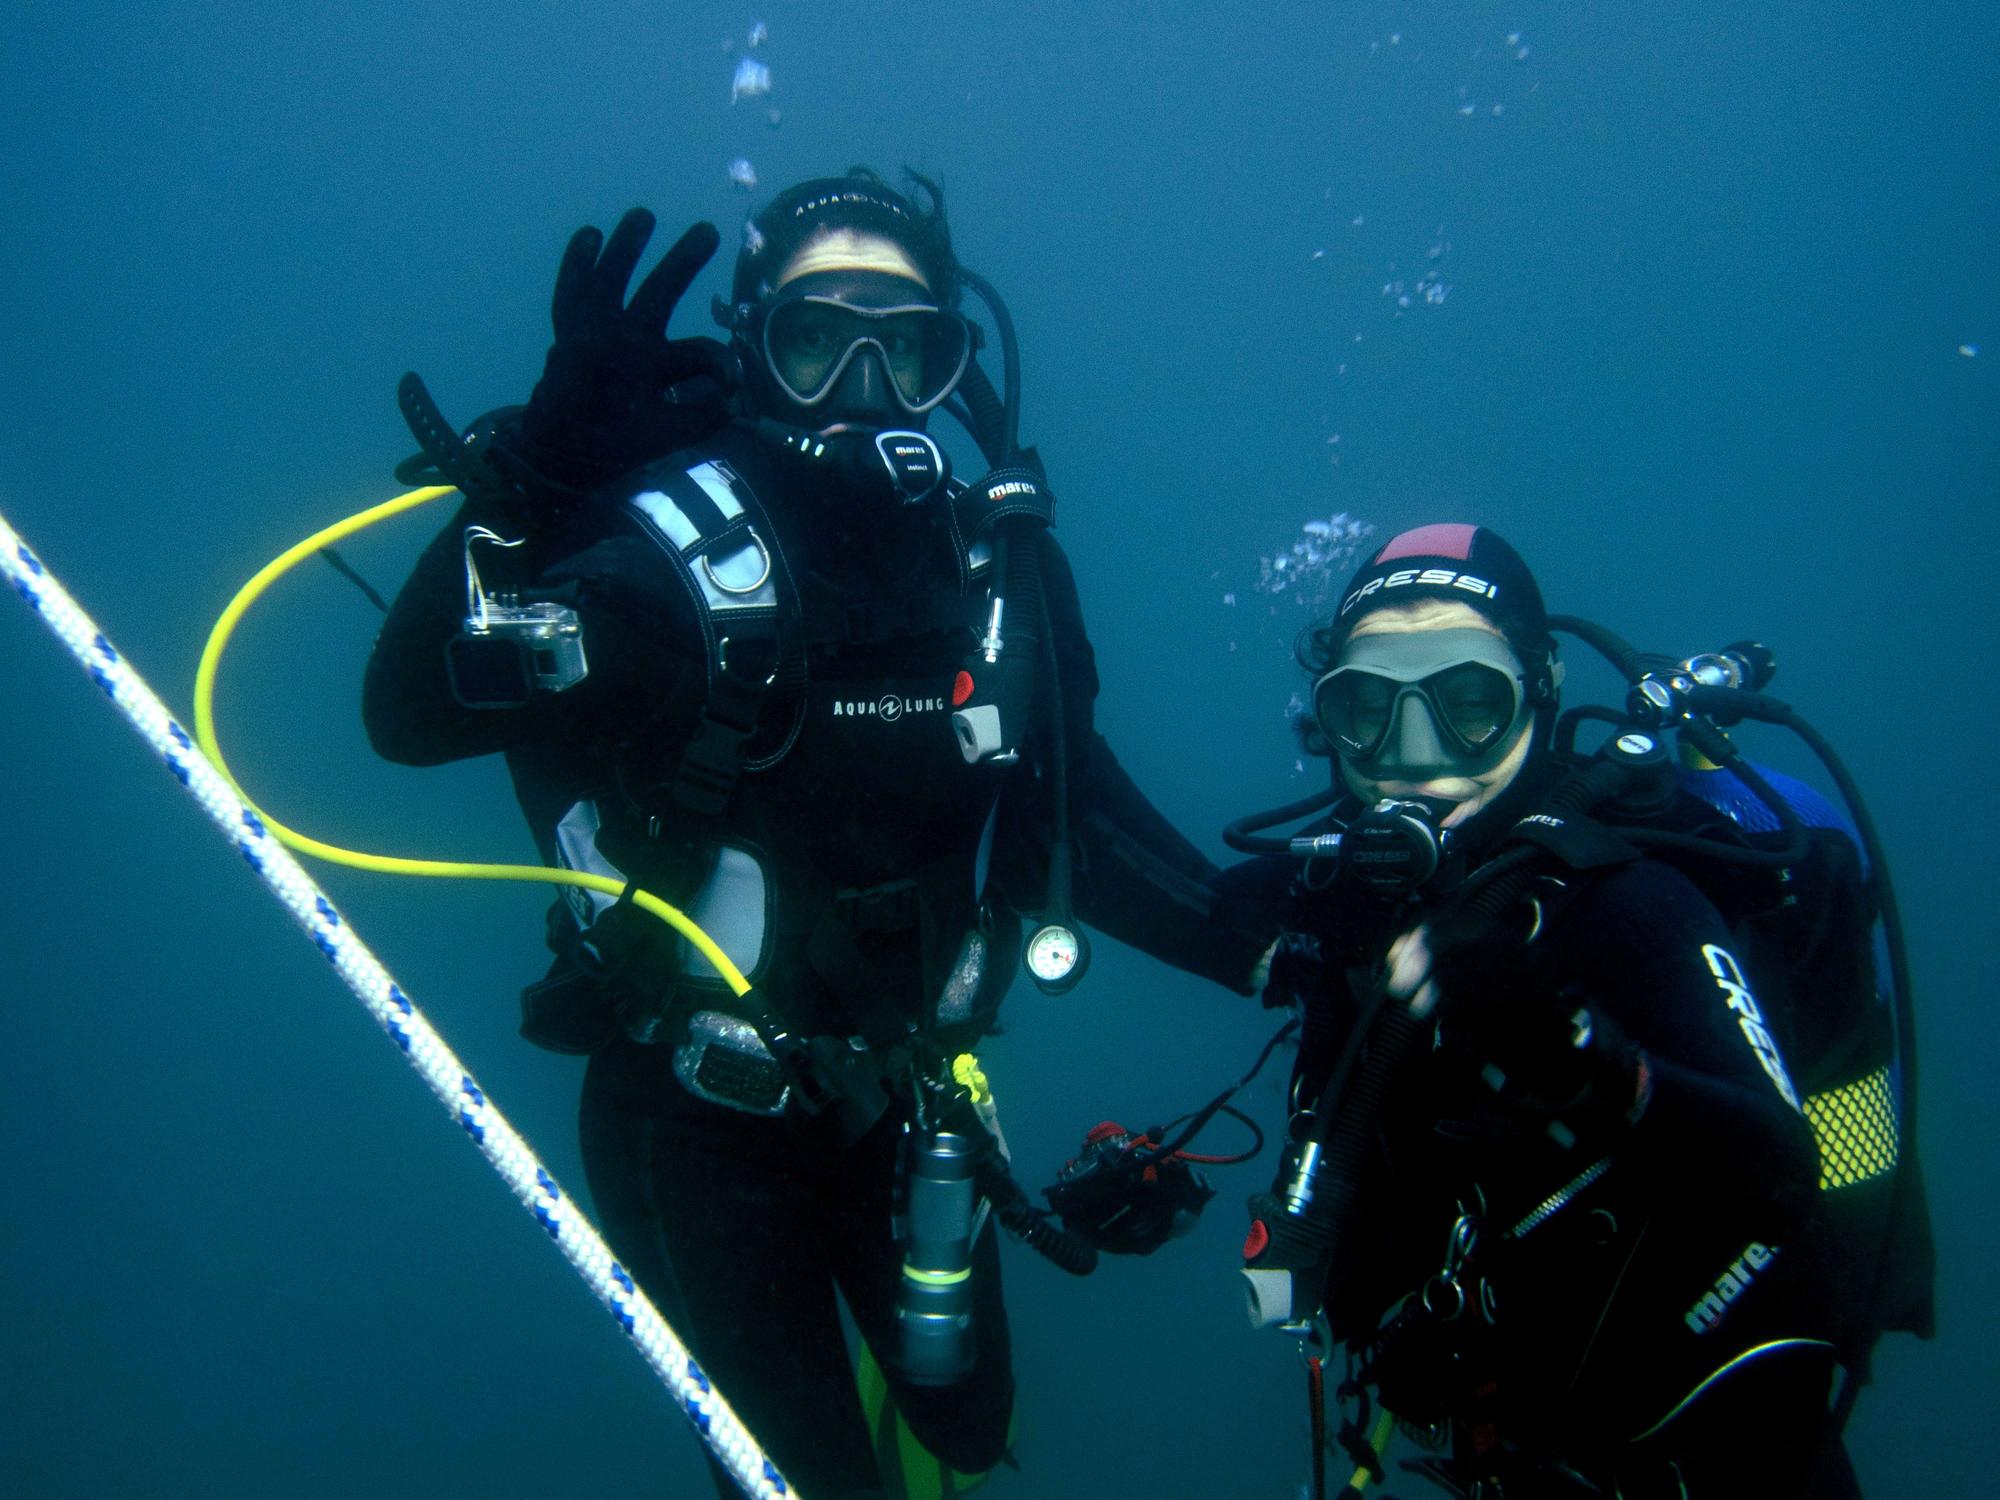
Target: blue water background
1709,269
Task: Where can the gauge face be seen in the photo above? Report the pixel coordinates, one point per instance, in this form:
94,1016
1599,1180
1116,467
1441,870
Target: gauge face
1052,953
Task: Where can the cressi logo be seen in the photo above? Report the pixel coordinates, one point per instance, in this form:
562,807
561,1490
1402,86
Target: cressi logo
1735,987
1427,577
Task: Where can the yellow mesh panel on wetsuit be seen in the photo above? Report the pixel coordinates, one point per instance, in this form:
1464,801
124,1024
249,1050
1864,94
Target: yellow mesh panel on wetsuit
1856,1128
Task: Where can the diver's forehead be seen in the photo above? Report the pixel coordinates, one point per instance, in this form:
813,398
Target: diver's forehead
835,250
1422,615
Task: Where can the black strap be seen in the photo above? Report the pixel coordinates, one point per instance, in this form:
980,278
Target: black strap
702,512
1579,842
1009,491
712,763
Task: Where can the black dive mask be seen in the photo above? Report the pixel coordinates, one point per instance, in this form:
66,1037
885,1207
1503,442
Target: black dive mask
1420,705
853,349
810,343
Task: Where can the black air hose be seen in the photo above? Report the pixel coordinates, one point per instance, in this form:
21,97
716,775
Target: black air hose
1030,1225
1242,834
988,424
1025,609
1612,646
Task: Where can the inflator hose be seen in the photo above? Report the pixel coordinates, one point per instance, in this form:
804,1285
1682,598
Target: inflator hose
1010,364
988,418
1033,1228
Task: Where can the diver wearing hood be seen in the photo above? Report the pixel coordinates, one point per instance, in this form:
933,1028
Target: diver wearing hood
784,603
1547,1179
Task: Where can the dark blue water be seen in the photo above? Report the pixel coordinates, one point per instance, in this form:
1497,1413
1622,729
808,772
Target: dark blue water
1706,270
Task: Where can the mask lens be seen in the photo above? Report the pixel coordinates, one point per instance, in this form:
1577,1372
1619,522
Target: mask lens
1472,701
810,340
1477,701
805,340
1354,709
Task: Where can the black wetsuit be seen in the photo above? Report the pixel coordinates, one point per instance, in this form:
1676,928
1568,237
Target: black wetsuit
1617,1265
882,852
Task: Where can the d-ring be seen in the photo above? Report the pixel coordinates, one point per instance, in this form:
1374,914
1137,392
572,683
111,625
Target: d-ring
722,660
763,577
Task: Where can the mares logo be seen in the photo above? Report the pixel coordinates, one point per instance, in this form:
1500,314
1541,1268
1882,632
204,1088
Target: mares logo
1735,987
889,707
1438,578
1001,491
1708,1313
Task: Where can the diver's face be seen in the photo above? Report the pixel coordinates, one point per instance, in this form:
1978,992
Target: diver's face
854,339
1466,783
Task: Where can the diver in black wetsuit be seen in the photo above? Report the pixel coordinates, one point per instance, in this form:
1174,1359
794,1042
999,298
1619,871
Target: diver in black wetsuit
780,719
1558,1205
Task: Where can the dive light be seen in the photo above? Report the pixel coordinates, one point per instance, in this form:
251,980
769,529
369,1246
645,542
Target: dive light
934,1296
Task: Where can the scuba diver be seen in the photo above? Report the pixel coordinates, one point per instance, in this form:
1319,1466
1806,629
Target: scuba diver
1547,1174
747,645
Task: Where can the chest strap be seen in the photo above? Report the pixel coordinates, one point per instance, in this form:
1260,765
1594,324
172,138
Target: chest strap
710,527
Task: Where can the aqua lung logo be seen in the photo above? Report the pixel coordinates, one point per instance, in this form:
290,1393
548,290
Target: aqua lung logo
1706,1315
1428,577
889,707
1735,988
849,195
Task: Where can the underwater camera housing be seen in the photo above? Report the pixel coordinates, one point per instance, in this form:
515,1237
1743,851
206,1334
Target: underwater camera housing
515,653
509,651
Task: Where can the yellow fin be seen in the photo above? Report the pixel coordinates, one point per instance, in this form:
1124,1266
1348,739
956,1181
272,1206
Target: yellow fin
909,1470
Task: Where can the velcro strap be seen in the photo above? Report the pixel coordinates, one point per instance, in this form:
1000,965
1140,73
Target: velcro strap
1001,495
1580,843
702,512
889,907
872,621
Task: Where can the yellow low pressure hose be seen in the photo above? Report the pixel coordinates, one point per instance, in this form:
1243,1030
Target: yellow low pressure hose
387,864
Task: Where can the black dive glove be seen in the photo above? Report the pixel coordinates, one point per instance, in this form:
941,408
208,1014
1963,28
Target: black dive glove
635,628
1554,1061
1297,973
616,391
1550,1056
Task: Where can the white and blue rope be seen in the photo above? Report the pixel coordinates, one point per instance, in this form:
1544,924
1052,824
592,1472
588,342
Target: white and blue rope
447,1078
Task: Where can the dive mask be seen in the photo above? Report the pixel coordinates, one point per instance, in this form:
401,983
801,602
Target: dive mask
1415,705
810,339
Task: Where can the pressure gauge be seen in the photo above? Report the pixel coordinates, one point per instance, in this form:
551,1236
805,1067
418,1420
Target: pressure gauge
1056,957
